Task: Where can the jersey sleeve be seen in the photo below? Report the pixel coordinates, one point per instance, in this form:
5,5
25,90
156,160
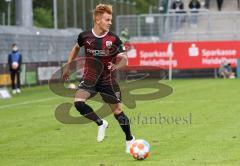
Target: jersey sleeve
120,46
80,40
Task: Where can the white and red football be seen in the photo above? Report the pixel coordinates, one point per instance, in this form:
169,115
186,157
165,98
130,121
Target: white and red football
140,149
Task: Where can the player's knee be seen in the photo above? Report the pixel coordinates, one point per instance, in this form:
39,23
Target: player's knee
81,107
117,111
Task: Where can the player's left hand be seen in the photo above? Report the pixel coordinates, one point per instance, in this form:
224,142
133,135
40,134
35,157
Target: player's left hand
112,66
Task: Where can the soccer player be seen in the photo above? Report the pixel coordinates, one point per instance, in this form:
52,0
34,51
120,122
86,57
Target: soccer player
102,48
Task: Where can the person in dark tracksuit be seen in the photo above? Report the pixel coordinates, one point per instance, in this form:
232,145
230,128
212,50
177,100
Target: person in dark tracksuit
14,62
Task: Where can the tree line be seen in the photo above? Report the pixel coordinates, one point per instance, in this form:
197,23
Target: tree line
43,11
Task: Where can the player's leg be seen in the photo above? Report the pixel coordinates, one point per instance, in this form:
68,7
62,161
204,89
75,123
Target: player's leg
112,95
122,119
124,123
83,108
80,103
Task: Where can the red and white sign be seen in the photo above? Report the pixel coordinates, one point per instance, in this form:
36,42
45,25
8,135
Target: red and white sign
183,55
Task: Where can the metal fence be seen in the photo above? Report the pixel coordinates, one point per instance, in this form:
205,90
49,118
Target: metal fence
70,13
185,26
43,51
36,44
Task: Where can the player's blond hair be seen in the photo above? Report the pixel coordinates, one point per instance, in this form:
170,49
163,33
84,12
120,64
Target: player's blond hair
101,9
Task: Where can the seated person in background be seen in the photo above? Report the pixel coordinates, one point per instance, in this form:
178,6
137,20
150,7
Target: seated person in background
178,7
225,71
194,5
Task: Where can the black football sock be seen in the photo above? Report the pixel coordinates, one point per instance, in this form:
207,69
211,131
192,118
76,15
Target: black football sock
124,123
87,112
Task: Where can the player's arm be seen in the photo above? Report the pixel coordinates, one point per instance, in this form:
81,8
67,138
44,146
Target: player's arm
121,63
73,53
121,54
71,56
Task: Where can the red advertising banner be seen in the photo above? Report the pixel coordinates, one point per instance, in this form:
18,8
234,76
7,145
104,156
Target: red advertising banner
183,55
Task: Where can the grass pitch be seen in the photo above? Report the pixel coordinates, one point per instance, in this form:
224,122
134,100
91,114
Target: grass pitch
198,124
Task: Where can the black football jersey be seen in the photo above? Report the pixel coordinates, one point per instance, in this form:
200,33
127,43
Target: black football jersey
99,51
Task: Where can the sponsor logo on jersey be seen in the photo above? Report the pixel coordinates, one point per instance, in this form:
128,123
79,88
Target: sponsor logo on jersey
98,52
118,95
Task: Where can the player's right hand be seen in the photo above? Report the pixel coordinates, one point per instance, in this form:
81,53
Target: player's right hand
65,74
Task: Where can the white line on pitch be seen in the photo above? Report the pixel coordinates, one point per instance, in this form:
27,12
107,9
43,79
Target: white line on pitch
28,102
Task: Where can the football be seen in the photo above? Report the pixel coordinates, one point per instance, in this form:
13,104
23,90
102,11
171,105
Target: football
14,65
72,86
140,149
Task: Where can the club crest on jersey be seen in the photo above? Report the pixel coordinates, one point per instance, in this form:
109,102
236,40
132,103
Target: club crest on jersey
109,44
118,95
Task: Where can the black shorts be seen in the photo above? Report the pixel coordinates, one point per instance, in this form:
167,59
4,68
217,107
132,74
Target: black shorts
110,93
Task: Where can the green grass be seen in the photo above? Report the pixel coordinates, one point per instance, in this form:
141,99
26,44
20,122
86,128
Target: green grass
209,135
